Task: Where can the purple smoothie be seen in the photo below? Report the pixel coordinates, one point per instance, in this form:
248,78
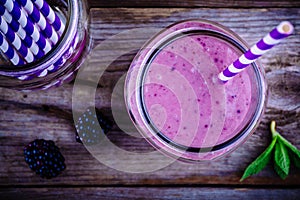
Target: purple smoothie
184,102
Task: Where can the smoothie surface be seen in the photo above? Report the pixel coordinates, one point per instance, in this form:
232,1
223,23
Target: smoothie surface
183,97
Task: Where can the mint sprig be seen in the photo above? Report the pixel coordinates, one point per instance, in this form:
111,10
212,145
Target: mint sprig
283,153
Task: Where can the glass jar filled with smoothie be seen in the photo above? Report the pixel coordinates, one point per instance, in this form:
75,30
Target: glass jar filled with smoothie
176,101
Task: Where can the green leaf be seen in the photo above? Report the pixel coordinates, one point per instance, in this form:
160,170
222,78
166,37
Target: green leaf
281,157
279,171
294,152
260,162
283,140
291,147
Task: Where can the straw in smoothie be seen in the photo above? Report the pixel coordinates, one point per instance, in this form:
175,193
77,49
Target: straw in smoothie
283,30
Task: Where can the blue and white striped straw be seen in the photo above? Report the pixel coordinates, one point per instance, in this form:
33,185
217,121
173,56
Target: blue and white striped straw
50,15
10,52
40,20
14,39
15,10
15,26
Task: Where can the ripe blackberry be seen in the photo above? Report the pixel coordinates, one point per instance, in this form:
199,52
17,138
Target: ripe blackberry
44,157
87,126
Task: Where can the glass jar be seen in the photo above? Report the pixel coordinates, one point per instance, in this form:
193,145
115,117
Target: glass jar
174,97
60,63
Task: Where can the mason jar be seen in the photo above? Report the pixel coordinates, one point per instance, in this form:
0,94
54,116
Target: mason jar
176,101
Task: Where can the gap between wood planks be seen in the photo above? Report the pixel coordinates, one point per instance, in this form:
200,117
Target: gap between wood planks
193,4
237,186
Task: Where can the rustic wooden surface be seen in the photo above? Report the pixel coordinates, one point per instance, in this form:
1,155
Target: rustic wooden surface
196,3
48,114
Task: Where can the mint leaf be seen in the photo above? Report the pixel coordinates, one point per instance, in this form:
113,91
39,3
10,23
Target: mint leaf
260,162
279,171
294,152
283,154
291,147
281,158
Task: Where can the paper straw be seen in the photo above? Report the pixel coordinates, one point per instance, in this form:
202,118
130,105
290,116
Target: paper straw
15,10
40,20
283,30
10,52
16,27
15,41
50,15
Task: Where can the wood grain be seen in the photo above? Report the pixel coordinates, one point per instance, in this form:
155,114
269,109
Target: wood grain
48,114
27,123
196,3
251,25
152,193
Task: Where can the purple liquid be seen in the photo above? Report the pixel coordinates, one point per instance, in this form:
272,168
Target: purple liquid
180,64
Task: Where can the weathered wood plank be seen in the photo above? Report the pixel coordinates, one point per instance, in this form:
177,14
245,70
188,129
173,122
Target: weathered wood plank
195,3
165,193
250,24
48,114
21,123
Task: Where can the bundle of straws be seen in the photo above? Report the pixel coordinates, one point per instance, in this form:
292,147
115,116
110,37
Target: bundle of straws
29,29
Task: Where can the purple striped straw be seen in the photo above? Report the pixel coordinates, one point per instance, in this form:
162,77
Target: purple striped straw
283,30
15,10
40,20
50,15
15,26
14,39
10,52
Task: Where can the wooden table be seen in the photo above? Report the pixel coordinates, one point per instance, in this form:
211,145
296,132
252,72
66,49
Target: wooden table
26,116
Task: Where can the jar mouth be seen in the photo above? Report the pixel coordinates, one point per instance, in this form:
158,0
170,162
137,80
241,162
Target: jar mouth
145,68
70,19
145,58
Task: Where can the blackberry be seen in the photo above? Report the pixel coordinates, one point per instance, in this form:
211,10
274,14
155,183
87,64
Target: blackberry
44,157
87,126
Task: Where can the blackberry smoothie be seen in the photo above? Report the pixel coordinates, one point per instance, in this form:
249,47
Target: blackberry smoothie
176,100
